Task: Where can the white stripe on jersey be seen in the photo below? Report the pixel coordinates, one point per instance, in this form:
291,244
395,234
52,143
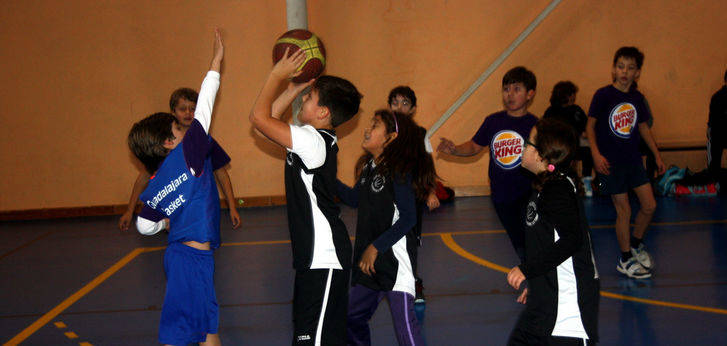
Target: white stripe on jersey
324,252
404,274
568,320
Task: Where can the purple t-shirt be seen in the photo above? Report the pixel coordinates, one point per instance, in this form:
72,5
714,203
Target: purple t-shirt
617,117
505,135
218,155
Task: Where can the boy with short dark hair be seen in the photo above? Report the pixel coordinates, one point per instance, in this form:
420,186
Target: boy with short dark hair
615,111
182,197
504,133
320,242
182,104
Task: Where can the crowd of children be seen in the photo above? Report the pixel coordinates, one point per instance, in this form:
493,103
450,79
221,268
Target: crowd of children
534,187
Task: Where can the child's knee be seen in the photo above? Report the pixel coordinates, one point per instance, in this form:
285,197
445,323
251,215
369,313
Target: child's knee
648,207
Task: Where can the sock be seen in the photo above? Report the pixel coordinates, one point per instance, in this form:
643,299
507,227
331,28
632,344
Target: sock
625,256
635,242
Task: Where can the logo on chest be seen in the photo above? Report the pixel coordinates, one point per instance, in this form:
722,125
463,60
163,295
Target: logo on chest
531,214
622,120
507,149
377,183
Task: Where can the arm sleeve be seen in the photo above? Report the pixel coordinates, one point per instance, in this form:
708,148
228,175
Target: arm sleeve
483,136
196,145
309,145
150,221
206,99
595,106
406,205
560,209
349,196
218,155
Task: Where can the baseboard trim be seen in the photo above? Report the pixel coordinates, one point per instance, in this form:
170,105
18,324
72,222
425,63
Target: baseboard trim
118,209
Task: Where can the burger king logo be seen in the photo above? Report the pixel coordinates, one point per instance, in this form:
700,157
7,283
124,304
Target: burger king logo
622,120
507,149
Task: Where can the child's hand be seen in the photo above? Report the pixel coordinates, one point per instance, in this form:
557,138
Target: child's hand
601,164
367,260
235,218
446,146
523,297
125,220
515,277
218,52
288,65
297,88
432,201
660,166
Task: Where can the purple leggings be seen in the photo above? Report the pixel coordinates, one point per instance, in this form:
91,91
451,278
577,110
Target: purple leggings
362,303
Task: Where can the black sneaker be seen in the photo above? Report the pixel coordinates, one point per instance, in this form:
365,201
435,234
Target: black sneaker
419,288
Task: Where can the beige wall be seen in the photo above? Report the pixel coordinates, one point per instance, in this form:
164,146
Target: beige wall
77,74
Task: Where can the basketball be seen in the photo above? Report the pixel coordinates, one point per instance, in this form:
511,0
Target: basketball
296,39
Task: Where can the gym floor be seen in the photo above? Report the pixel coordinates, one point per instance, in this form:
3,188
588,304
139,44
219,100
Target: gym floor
83,282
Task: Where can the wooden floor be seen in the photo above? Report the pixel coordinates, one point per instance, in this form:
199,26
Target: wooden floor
83,282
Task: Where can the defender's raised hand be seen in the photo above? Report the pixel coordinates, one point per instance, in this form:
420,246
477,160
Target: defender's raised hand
218,52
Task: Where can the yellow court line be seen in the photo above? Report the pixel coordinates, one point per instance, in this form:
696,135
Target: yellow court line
43,320
449,241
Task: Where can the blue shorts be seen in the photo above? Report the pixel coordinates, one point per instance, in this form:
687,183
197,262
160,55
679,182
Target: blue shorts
190,310
622,178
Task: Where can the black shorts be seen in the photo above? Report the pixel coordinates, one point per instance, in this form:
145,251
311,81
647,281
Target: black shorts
320,307
622,178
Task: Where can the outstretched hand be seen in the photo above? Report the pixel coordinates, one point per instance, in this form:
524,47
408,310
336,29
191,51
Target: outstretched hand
288,65
446,146
218,52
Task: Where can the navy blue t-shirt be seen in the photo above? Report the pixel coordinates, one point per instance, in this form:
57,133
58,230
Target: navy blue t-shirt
617,117
505,135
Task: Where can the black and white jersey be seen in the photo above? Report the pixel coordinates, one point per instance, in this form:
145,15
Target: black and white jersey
317,233
386,218
563,284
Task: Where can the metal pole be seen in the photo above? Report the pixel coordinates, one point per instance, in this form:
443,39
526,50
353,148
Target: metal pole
500,59
297,16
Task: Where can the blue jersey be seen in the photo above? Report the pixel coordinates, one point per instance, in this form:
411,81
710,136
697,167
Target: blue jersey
184,190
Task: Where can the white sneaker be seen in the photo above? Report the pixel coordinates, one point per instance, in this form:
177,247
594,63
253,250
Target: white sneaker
643,257
632,268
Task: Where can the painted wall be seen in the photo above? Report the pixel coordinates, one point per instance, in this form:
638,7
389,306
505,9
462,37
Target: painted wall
76,75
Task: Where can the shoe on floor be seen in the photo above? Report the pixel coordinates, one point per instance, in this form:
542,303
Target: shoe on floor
632,268
643,257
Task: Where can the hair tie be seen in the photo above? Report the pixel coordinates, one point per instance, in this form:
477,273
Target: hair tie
396,123
551,168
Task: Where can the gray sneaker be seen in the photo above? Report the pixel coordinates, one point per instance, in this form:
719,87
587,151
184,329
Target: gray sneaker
643,257
632,268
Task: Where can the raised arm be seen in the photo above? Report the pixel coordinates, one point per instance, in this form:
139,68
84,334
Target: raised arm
262,117
210,85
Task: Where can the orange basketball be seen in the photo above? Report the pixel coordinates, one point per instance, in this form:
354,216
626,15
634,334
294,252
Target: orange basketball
296,39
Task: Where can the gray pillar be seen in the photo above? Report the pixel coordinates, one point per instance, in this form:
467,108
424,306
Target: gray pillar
297,16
